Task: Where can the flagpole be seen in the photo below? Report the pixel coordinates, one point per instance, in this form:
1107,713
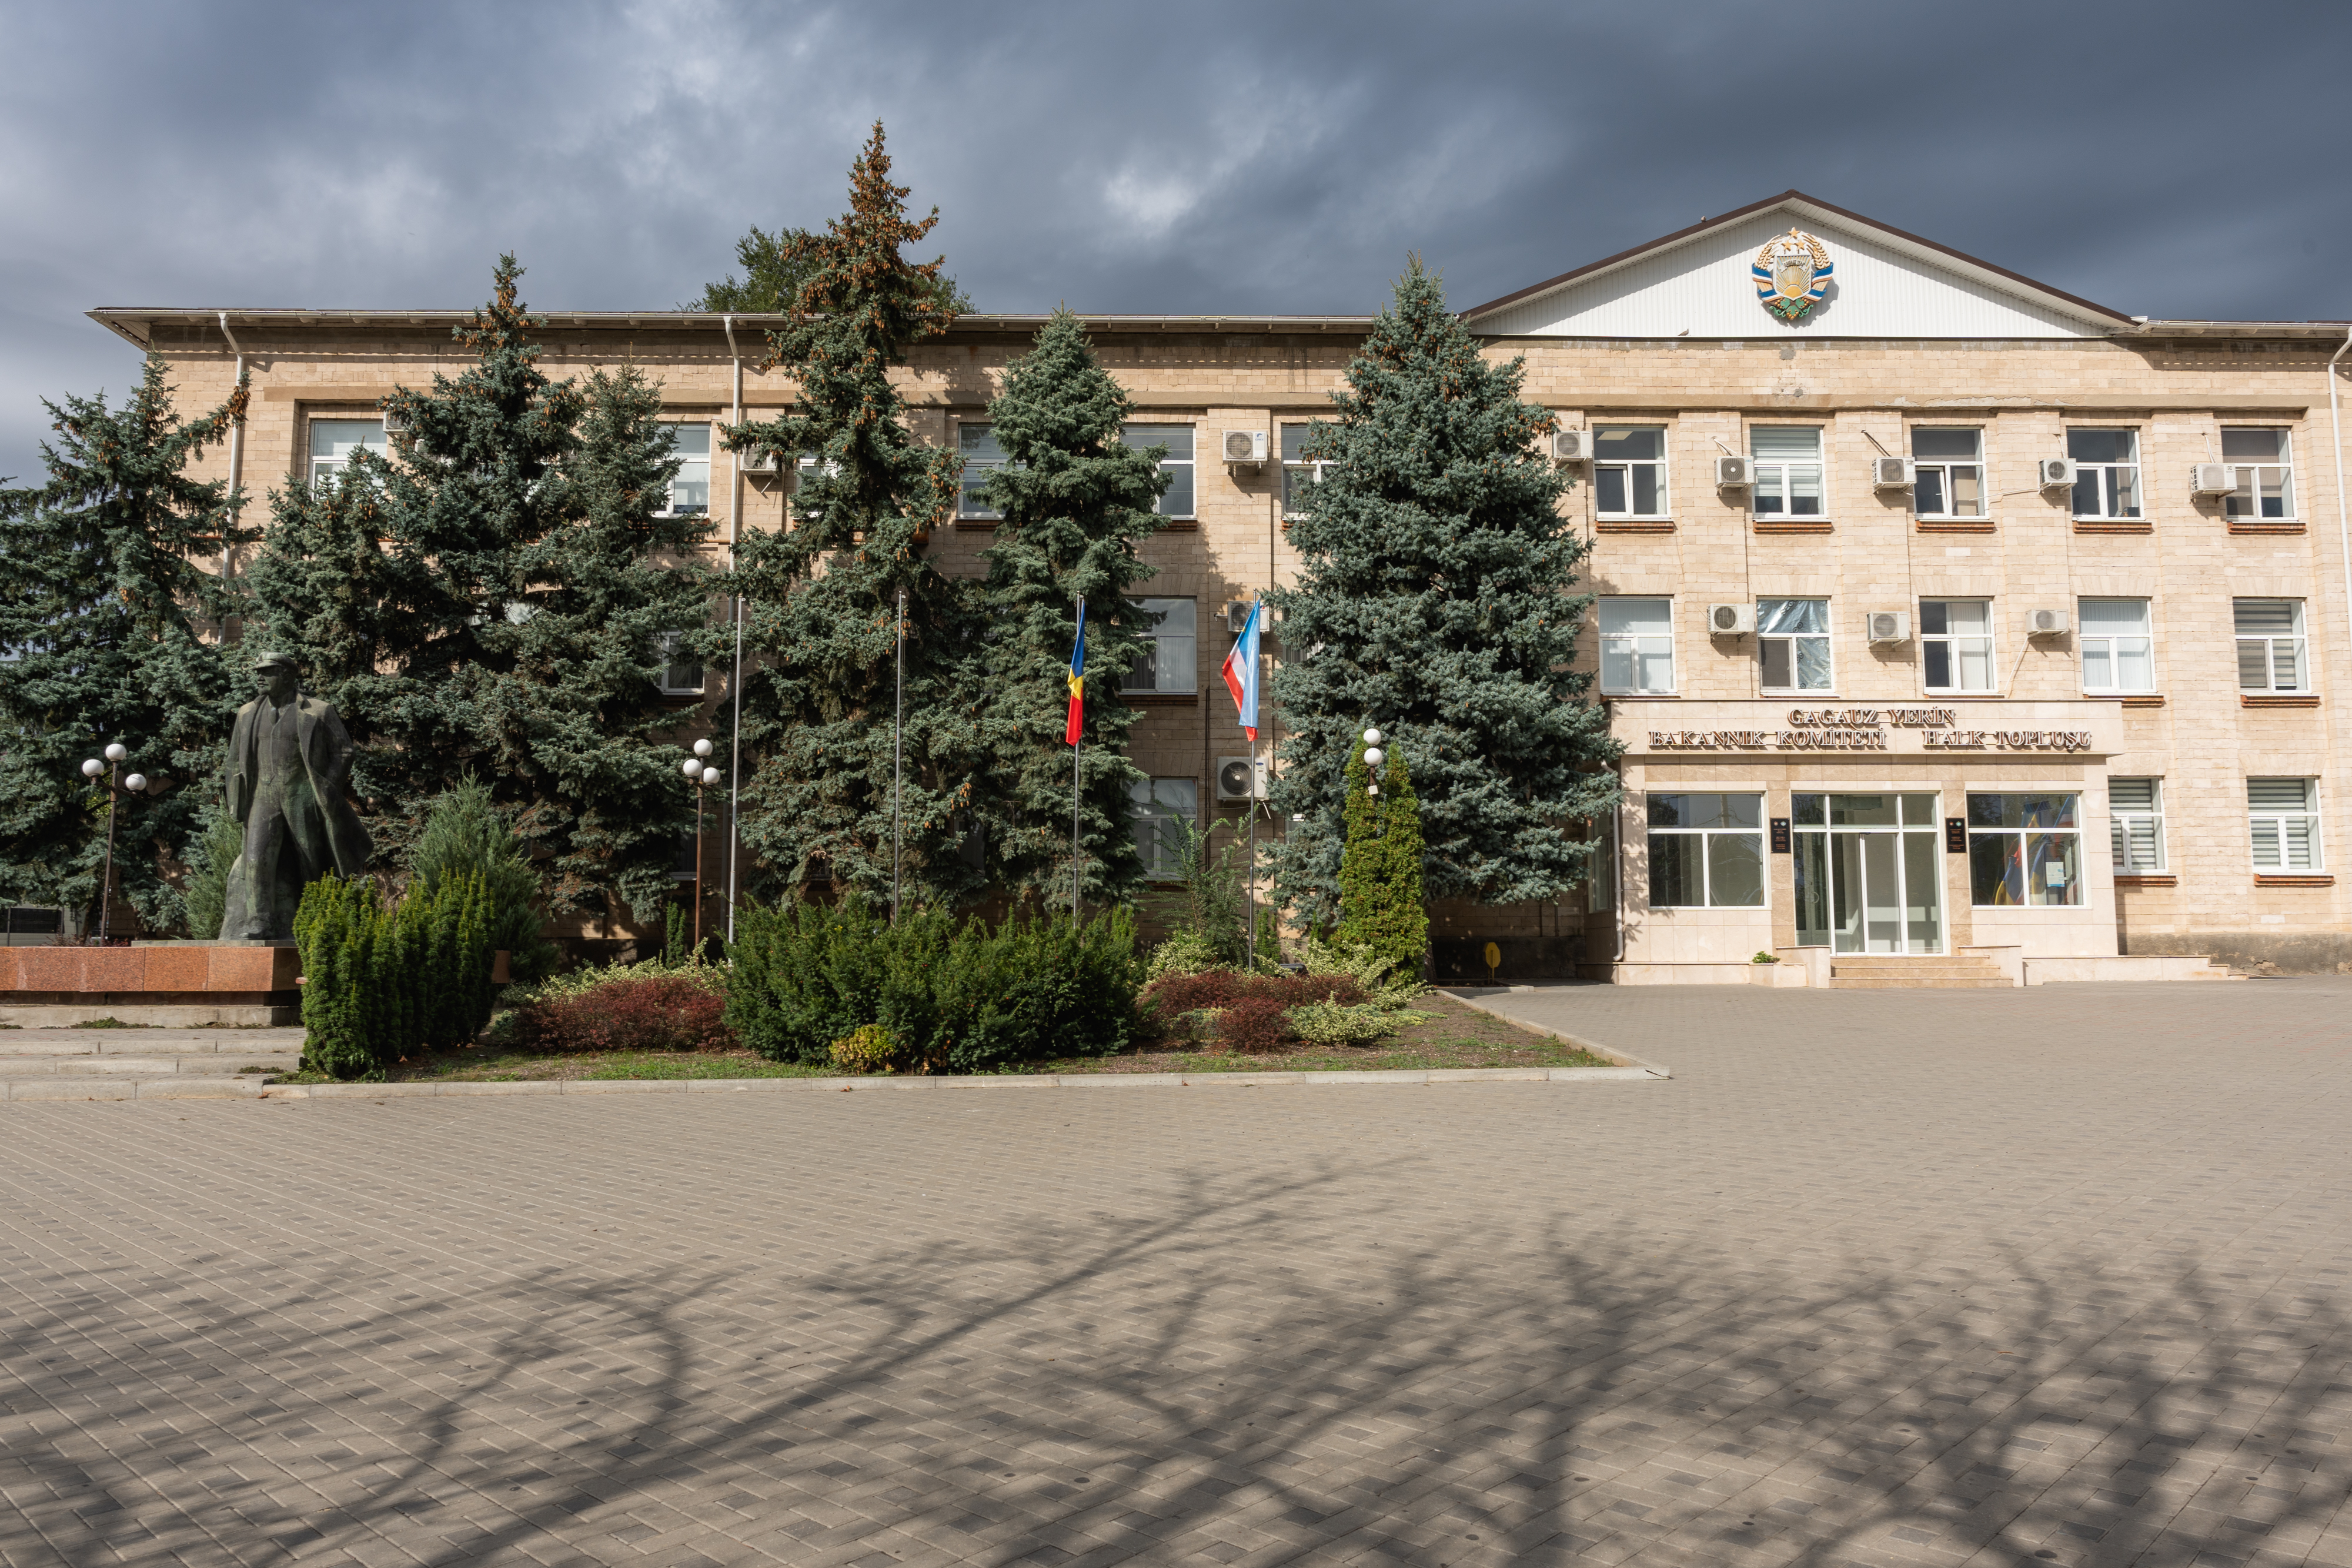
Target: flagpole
899,765
1077,749
1249,939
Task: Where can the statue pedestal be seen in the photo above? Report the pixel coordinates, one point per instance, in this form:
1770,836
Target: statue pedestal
171,984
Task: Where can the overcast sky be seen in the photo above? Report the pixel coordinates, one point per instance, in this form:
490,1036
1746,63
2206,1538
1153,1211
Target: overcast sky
2166,160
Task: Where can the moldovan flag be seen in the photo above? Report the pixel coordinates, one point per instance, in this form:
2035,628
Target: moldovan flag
1240,673
1077,725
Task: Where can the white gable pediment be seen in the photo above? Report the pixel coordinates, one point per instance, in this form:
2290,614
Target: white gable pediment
1882,285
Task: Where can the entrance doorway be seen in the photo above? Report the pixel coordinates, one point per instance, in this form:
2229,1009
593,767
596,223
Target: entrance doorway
1869,873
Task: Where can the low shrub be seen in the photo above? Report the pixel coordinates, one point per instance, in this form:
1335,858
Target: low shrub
869,1048
1331,1024
1376,975
1252,1025
1180,994
663,1013
711,977
1186,953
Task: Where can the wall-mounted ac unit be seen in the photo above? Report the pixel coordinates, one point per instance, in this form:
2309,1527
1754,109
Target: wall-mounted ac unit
1733,473
2059,473
1889,625
1236,781
1571,446
1237,616
1893,473
1731,620
2211,479
759,460
394,422
2045,622
1244,446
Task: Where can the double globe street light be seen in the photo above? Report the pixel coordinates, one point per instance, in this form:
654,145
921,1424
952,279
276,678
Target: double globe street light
702,774
116,755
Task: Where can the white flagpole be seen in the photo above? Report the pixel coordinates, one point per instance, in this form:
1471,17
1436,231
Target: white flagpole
1078,748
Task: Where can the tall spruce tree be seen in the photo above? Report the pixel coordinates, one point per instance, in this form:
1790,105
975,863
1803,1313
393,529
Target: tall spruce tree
1436,601
777,266
822,594
1075,500
488,598
108,633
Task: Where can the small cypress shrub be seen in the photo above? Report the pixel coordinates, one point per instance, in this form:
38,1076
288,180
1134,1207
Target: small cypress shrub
1380,902
205,894
464,835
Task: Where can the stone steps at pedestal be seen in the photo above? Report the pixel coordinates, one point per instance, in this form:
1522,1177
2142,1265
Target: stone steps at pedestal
1895,971
144,1063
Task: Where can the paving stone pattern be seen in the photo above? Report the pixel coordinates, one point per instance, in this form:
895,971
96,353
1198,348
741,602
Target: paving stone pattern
1879,1277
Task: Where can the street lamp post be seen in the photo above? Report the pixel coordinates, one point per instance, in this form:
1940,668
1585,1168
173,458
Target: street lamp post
1374,758
699,773
115,754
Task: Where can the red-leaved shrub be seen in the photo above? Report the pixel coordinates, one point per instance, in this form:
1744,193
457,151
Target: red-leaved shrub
1252,1025
1251,1005
665,1013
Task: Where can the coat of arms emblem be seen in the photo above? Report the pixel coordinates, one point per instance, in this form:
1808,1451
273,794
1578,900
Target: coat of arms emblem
1792,275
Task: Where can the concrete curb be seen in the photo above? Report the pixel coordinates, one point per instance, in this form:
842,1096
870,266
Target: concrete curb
1646,1069
996,1081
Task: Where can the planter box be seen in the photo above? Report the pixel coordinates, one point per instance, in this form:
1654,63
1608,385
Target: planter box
1780,976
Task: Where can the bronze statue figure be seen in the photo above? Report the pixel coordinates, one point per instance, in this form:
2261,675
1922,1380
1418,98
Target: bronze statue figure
289,756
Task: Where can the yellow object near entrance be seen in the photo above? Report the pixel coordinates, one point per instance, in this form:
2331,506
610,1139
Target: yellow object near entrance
1493,956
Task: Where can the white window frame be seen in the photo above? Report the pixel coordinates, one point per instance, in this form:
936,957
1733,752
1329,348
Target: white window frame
2074,898
2245,501
1779,467
2108,643
2130,824
2101,476
320,468
1145,806
679,427
2277,819
1829,649
1291,467
666,660
1626,645
975,472
1187,463
2269,642
1943,468
1951,641
1188,667
1626,468
1651,833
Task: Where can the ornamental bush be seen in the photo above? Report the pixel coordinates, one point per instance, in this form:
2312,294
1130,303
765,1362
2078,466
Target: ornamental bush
660,1012
382,982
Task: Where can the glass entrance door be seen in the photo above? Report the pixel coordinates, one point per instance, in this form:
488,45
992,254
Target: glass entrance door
1869,879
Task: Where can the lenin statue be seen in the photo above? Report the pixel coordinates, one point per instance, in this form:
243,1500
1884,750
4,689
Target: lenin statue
289,756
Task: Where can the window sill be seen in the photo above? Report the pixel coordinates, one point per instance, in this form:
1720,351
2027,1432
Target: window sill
1956,525
1793,526
977,525
1966,697
1161,699
2146,879
1180,525
2279,879
681,699
2128,699
1632,525
2280,527
2114,525
2292,700
1640,696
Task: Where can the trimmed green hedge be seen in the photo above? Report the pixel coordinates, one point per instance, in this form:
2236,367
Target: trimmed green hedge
954,997
381,981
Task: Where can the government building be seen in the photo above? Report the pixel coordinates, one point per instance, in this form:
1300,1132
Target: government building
1957,629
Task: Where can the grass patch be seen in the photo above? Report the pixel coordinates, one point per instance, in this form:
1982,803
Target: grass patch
110,1023
1451,1036
520,1067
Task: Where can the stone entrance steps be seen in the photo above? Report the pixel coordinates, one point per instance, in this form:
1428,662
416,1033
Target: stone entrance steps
144,1063
1891,971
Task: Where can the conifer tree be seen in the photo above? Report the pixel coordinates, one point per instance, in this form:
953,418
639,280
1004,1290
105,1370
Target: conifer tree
1074,501
776,266
822,594
1380,901
1436,602
110,625
488,599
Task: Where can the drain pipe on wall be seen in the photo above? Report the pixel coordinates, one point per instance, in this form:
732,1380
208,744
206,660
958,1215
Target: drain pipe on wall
236,446
734,551
2343,526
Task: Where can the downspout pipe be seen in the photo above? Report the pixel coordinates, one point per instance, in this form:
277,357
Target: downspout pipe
735,687
236,446
2343,508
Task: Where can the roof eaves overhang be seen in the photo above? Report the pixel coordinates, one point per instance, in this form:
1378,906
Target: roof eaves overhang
1807,206
136,324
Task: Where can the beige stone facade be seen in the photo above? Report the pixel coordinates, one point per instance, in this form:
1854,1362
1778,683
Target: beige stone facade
2250,877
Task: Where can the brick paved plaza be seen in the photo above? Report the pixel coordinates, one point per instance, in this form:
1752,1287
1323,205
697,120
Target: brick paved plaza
2014,1277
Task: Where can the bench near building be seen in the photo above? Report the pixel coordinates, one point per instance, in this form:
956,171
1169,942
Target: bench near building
1956,629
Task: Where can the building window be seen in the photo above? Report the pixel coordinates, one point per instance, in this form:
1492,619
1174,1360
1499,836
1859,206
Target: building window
332,442
1707,852
2024,851
2284,816
1788,469
1792,638
1162,809
982,457
2264,470
1170,663
690,493
2270,645
1637,646
2118,655
1956,643
1948,469
2106,480
1297,471
1177,464
2136,817
679,673
1629,470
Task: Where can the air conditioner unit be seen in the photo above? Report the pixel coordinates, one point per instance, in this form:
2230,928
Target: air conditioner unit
2212,479
1234,779
1245,445
2045,622
2059,473
1237,616
1732,473
1889,625
1893,472
759,460
1571,446
394,422
1731,620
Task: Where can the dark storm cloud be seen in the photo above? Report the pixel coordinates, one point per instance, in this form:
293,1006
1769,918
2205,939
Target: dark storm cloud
2165,160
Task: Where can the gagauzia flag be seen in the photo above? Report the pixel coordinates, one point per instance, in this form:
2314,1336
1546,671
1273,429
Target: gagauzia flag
1241,672
1077,724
